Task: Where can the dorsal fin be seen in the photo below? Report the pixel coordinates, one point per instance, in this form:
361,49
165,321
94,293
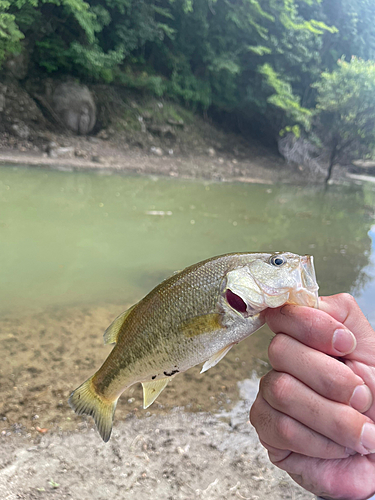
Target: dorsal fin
152,389
111,334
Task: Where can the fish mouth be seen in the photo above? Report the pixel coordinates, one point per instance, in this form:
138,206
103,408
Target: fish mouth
306,291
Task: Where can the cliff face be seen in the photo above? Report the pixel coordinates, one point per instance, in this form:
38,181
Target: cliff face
35,112
19,113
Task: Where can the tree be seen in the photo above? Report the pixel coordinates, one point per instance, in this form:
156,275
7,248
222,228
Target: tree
345,111
10,35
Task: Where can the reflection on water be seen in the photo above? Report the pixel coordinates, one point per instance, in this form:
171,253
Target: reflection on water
77,248
365,292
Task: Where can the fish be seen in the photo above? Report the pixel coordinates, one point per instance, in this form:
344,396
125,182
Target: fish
195,316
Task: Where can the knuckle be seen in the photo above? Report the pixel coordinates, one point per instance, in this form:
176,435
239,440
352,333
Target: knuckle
348,301
277,348
280,388
347,298
284,430
338,385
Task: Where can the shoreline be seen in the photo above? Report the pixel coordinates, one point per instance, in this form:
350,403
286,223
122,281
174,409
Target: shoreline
259,170
107,159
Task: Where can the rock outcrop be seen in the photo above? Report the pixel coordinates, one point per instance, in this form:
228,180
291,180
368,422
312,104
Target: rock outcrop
19,114
75,107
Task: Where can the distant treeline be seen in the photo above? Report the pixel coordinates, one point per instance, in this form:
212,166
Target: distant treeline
257,58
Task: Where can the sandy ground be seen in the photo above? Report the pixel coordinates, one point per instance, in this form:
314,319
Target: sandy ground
194,442
182,456
234,158
179,456
256,170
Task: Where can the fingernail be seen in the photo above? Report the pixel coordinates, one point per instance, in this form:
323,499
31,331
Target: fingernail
361,399
368,437
344,341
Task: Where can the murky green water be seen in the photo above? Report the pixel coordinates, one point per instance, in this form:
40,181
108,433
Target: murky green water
76,248
84,238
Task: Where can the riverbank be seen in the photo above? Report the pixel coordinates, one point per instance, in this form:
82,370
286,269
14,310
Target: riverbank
108,160
252,164
255,163
145,136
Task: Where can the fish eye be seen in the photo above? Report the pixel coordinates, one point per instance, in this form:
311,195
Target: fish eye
277,260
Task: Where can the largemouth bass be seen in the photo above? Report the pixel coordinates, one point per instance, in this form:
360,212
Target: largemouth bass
195,316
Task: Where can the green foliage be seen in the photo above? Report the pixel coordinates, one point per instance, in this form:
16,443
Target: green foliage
143,81
255,58
284,99
355,21
94,62
10,35
346,108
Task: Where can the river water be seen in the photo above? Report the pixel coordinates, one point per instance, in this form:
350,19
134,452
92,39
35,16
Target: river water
78,248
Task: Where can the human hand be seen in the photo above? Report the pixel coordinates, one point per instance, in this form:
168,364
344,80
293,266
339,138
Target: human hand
315,413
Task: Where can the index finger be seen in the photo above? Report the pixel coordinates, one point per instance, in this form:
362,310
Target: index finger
312,327
344,308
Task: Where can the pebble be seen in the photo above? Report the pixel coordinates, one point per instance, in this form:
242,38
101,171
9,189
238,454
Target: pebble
156,151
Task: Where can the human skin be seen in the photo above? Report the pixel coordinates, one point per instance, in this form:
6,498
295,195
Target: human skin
315,409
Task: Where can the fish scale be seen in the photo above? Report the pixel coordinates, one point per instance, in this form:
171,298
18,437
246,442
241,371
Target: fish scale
194,316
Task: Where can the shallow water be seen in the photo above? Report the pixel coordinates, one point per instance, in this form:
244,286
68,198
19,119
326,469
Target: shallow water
78,248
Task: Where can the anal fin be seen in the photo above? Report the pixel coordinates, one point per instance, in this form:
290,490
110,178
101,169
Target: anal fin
218,356
152,389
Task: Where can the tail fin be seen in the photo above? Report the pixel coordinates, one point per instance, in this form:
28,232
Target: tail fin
85,400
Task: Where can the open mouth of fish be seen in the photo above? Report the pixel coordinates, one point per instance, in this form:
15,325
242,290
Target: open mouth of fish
306,290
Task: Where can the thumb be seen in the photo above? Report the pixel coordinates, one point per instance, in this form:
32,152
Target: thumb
344,308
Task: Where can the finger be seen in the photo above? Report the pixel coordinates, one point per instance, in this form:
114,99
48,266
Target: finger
274,454
279,431
312,327
338,422
367,374
323,374
344,308
352,478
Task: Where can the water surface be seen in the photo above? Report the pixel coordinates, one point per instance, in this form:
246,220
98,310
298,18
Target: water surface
78,248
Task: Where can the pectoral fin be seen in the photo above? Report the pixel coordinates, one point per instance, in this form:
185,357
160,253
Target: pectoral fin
213,360
111,334
151,390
